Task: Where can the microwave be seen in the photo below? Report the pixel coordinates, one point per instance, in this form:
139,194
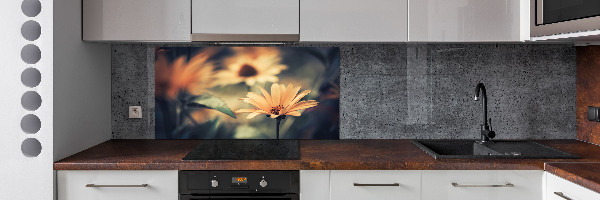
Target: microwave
569,18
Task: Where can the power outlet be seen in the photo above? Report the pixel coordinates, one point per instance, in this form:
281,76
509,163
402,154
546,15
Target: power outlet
135,112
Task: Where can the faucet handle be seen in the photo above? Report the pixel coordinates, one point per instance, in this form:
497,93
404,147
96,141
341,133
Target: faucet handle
491,124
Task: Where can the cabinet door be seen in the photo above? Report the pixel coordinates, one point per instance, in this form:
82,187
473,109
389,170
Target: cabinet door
379,185
245,17
468,20
136,20
117,185
314,184
561,189
354,20
482,184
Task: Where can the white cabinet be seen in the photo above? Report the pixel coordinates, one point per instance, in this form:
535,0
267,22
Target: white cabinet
314,184
561,189
482,184
468,20
380,185
136,20
244,20
117,185
354,20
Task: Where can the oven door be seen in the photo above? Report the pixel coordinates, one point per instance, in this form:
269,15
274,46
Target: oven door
236,197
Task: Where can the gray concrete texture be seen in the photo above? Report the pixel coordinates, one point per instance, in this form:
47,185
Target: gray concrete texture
406,91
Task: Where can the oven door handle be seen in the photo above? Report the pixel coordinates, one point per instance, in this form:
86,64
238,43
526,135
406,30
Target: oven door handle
251,197
286,197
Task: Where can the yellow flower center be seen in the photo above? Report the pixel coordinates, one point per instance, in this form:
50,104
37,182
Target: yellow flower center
275,110
247,71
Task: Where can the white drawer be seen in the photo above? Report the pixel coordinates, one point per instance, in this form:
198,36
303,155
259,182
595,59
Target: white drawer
162,185
314,185
479,184
568,189
343,185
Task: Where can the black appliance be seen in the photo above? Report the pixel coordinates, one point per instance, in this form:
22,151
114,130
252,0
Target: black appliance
559,17
234,185
245,150
554,11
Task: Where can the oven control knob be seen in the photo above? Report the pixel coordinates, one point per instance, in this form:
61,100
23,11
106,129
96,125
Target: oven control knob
214,183
263,183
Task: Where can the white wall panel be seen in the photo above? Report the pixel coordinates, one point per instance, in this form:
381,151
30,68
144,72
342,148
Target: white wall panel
25,177
82,84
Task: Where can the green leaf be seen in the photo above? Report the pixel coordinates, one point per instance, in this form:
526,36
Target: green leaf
211,102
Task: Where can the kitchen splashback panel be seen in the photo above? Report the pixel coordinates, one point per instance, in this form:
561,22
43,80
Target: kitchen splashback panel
247,93
407,90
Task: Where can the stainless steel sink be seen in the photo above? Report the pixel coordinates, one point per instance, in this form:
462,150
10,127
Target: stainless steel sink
493,149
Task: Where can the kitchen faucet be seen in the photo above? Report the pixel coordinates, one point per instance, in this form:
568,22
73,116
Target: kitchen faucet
486,130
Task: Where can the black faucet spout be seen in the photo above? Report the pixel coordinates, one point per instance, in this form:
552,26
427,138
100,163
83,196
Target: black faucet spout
486,132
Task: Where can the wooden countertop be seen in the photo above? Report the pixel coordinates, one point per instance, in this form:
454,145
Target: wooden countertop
315,155
581,173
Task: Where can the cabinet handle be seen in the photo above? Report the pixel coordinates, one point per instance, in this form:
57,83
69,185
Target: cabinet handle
361,184
94,185
505,185
560,194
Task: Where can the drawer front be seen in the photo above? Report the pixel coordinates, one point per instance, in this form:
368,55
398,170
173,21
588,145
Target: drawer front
566,190
246,17
117,185
314,185
482,184
377,185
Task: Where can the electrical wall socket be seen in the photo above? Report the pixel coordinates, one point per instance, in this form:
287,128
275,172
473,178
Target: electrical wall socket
135,112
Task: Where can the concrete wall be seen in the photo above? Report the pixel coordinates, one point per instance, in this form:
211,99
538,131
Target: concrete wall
407,90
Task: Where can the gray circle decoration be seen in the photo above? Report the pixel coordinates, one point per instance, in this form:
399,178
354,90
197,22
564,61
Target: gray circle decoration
31,8
31,124
31,147
31,30
31,100
31,54
31,77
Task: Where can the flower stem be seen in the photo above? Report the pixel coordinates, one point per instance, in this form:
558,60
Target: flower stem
278,121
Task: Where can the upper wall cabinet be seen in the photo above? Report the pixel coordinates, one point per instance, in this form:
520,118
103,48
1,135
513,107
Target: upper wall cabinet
136,20
353,20
468,20
245,20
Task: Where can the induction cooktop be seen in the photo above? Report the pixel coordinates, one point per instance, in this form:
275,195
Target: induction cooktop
245,150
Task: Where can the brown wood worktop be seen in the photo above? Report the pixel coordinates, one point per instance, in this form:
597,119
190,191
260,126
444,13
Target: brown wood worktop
581,173
315,155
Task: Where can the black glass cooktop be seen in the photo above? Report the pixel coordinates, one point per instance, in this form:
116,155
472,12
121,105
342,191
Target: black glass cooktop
245,150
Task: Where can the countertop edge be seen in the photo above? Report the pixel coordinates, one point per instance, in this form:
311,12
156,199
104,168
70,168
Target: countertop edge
578,179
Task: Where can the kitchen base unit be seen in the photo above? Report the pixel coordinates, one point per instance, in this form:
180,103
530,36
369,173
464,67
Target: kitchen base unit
560,189
117,184
482,184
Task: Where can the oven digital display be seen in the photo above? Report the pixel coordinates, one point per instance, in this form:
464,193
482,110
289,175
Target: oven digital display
239,180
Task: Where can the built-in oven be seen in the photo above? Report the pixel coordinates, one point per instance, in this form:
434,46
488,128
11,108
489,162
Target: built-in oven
234,185
554,17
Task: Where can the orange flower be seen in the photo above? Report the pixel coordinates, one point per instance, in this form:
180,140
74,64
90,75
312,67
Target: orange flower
193,77
281,102
251,65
